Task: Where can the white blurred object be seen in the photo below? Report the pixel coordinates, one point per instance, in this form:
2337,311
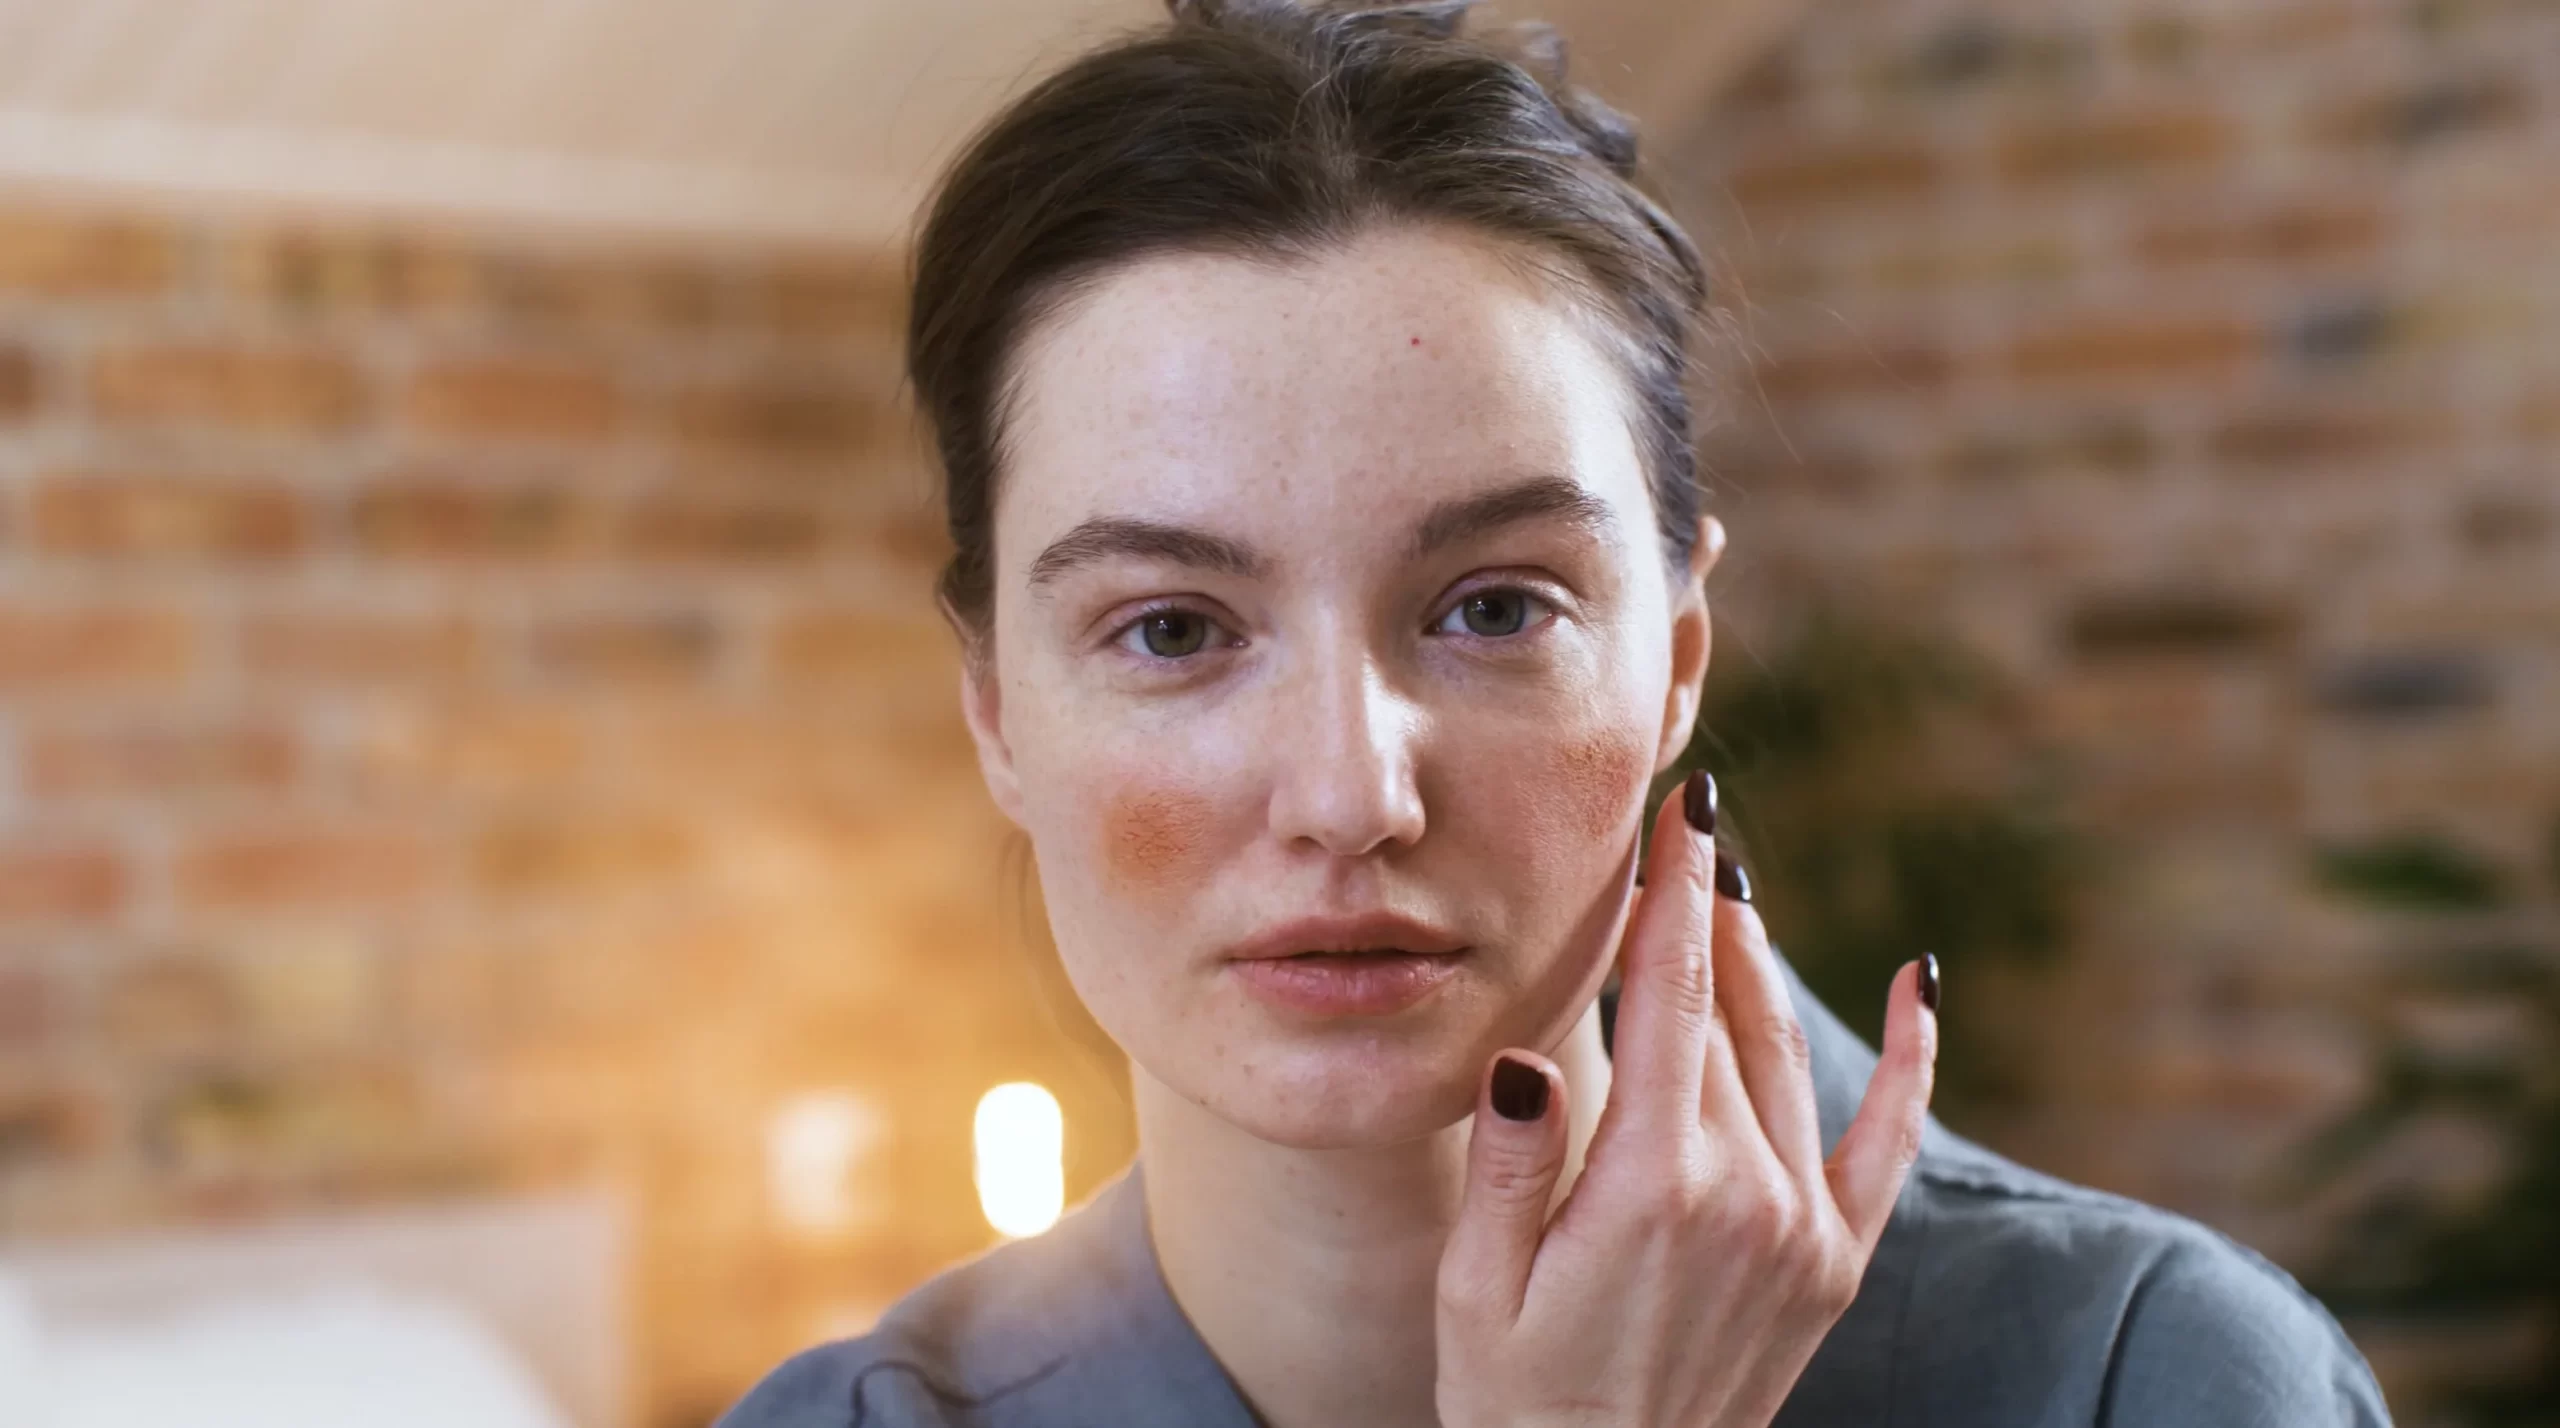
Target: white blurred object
502,1313
20,1359
321,1357
815,1148
1022,1162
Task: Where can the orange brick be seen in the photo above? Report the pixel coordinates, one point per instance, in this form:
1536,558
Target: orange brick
1928,266
1864,169
360,647
68,255
145,516
328,271
159,1009
2114,144
430,517
832,297
471,748
17,384
94,646
1884,367
249,389
2537,415
644,647
33,1001
2304,232
918,539
82,761
685,296
292,867
558,401
696,528
2115,346
827,646
559,854
2426,112
56,884
780,416
2290,435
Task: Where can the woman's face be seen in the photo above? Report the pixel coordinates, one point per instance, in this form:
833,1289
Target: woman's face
1330,586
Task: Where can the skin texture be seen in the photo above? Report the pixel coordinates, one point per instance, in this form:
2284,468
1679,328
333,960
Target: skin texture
1342,740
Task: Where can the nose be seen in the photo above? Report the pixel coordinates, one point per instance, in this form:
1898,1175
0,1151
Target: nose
1342,745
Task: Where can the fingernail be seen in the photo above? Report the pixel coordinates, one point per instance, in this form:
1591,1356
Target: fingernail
1731,880
1699,801
1929,980
1519,1089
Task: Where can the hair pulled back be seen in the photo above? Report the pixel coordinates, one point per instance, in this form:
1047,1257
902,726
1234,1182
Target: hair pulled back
1276,128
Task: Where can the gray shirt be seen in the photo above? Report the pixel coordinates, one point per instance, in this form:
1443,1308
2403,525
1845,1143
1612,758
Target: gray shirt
1998,1297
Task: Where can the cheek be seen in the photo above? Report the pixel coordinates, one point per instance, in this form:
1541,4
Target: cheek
1590,782
1153,837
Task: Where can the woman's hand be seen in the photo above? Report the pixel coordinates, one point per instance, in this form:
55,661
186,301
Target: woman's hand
1707,1248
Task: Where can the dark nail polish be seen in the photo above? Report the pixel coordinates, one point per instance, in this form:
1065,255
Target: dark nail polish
1519,1090
1699,801
1929,980
1731,880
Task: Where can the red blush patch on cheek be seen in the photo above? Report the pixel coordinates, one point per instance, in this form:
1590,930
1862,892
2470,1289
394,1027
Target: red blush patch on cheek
1152,837
1596,778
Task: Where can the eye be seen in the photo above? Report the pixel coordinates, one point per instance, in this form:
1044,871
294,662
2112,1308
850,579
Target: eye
1495,611
1168,632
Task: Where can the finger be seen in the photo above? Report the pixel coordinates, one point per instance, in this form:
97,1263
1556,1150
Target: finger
1875,1153
1679,1078
1515,1151
1666,996
1768,1041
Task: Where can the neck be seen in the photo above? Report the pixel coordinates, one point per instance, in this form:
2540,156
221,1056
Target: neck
1311,1274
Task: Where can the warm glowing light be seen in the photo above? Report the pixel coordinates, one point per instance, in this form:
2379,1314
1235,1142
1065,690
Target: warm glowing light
814,1146
1022,1158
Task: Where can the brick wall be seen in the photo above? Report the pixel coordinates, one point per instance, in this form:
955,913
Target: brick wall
2200,361
471,716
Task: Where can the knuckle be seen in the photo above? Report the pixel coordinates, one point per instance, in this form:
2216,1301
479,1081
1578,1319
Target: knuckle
1907,1131
1510,1176
1836,1280
1783,1031
1688,981
1460,1291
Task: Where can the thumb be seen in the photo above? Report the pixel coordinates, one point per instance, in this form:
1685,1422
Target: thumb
1515,1151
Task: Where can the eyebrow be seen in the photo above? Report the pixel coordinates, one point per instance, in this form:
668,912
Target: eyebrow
1539,497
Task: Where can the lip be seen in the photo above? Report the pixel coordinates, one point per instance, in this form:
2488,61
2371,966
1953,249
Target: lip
1346,985
1346,934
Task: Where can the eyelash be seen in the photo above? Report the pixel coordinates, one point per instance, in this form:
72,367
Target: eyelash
1119,637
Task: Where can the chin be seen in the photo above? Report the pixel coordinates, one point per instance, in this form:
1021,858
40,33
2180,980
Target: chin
1349,1091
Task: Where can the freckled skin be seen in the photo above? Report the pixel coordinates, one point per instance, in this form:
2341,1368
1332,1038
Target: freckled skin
1347,747
1152,837
1597,781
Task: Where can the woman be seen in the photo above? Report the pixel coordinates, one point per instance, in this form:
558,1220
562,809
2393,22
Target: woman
1330,569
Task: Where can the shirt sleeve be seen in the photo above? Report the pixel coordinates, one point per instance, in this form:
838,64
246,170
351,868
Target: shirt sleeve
2215,1335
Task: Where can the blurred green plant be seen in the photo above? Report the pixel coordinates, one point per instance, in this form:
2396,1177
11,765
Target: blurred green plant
1880,788
2479,941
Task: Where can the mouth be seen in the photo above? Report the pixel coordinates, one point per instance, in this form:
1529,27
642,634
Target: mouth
1358,954
1325,983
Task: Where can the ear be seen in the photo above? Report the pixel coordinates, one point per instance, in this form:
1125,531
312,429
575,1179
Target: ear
1691,639
982,705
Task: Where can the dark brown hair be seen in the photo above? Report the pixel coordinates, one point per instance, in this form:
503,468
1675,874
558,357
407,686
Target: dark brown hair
1274,128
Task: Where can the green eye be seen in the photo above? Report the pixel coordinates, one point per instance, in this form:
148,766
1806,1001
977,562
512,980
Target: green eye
1172,634
1496,612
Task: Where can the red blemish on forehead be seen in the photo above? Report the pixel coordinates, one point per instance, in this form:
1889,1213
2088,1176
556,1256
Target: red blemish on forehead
1152,837
1417,342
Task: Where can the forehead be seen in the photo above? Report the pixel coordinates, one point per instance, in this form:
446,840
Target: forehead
1358,382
